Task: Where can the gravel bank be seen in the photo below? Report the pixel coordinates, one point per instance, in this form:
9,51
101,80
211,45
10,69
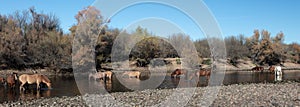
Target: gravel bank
279,94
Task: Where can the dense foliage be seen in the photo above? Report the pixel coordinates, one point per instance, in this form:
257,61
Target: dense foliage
29,39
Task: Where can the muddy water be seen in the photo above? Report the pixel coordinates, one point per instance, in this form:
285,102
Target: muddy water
66,86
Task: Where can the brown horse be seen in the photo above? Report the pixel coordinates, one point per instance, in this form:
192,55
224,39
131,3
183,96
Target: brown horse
12,80
272,69
130,74
2,80
108,74
177,73
34,78
204,72
258,68
98,75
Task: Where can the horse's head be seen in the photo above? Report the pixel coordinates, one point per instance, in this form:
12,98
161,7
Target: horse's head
46,81
49,85
15,75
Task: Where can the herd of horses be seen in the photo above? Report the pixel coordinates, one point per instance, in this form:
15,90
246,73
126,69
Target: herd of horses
182,72
207,72
13,78
107,75
272,69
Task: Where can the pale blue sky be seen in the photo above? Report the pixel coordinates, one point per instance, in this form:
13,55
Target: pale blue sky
234,16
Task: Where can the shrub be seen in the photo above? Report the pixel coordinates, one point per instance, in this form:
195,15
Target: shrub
207,62
178,61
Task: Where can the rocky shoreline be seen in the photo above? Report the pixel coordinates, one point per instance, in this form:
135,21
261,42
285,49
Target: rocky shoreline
262,94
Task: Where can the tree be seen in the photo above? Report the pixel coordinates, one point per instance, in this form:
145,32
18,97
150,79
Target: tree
89,26
202,48
266,50
236,48
11,43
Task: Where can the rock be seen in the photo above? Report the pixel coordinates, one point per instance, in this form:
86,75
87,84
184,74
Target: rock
279,94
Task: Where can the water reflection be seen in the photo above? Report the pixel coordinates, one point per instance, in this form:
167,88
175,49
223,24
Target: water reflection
34,94
66,85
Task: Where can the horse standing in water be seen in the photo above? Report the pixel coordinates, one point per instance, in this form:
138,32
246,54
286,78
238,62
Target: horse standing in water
177,73
97,75
272,69
108,74
258,68
204,72
277,71
12,80
35,78
130,74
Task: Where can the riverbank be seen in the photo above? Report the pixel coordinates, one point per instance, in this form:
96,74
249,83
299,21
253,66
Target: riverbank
39,71
278,94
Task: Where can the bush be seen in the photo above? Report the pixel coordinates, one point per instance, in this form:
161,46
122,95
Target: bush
178,61
207,62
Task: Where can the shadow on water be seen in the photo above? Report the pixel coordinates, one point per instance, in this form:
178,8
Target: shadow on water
66,85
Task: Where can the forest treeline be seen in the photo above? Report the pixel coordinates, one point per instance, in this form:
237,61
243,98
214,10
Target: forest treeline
29,39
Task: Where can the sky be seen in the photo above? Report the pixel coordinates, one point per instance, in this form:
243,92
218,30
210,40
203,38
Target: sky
234,17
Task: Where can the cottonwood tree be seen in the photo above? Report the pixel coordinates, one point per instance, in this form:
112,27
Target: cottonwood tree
90,22
266,50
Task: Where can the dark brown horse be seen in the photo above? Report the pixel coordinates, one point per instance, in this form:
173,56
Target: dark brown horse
178,72
258,68
12,80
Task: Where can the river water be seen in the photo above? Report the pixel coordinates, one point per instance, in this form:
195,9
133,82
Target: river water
66,85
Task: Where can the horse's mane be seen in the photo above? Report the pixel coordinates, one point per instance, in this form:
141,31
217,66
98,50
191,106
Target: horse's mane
45,78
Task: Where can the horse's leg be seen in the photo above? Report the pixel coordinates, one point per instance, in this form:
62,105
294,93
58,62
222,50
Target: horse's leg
104,78
5,84
22,87
38,85
110,76
207,78
14,85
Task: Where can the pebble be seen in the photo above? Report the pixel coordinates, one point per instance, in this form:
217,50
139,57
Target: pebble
261,94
